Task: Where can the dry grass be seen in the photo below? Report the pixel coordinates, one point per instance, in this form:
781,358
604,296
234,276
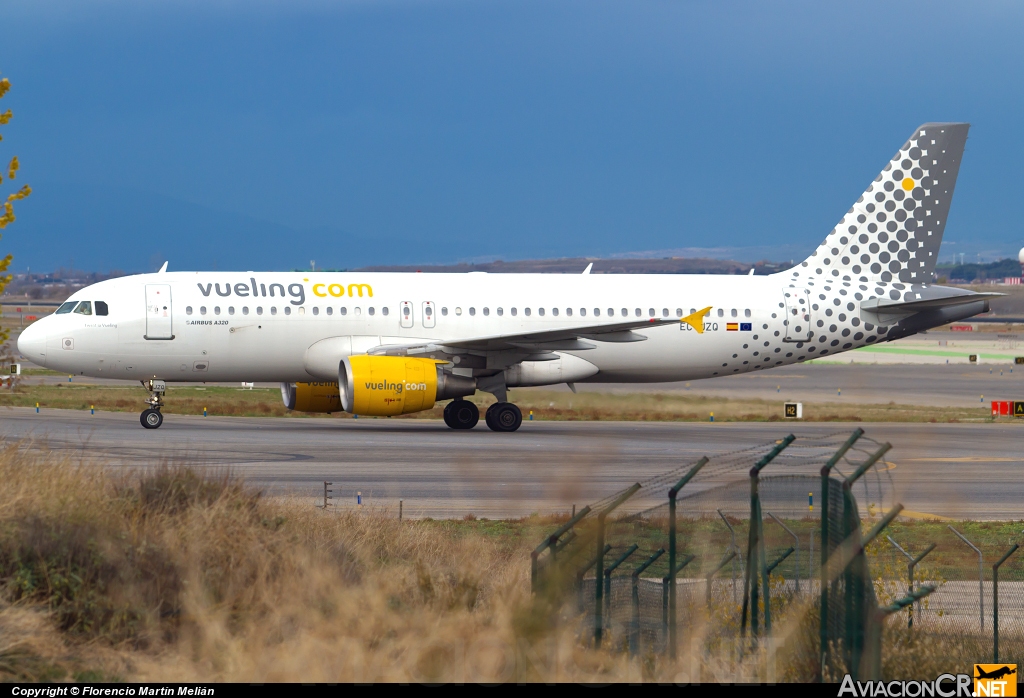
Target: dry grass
544,404
169,574
165,574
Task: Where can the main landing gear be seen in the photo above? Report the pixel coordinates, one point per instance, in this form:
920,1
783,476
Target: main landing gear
501,416
461,414
151,418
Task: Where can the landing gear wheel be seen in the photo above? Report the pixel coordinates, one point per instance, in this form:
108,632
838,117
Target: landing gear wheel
151,419
461,414
504,416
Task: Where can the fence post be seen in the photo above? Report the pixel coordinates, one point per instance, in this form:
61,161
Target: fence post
707,591
672,494
826,471
551,542
874,669
995,602
582,572
599,572
854,571
755,548
732,534
634,630
910,575
859,619
668,632
608,580
768,592
778,561
810,560
796,547
913,566
981,577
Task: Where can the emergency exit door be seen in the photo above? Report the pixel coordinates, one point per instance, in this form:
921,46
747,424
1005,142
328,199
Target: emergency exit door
406,314
158,312
428,313
798,315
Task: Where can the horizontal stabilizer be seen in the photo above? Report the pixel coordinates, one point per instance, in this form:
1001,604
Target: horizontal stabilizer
885,311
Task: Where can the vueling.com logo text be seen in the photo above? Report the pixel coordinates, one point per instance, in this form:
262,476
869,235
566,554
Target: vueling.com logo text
338,290
395,387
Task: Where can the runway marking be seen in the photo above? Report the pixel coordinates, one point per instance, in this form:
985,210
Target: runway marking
921,515
967,459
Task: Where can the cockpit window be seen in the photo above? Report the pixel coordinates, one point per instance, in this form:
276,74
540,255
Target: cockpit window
84,308
101,308
67,307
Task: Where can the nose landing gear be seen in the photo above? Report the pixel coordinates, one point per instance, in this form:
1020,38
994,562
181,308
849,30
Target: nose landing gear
151,418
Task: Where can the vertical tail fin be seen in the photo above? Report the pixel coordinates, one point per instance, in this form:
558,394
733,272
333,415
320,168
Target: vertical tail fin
894,231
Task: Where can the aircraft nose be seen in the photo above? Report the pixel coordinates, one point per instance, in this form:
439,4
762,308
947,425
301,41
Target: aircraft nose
32,344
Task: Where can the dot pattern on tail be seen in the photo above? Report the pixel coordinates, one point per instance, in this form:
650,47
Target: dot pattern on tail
885,247
892,234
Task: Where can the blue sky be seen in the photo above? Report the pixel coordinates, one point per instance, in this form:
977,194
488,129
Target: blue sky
262,135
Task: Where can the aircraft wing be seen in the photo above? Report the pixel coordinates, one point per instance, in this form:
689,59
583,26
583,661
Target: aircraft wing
543,341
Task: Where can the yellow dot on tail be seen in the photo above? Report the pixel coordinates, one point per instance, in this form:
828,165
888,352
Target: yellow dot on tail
908,184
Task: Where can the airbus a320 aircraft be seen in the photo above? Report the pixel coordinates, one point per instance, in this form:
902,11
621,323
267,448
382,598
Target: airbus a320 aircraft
389,344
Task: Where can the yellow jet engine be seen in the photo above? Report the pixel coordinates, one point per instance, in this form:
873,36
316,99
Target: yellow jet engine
379,386
383,386
311,397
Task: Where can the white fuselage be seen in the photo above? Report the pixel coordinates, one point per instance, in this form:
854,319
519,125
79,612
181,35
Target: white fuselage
258,326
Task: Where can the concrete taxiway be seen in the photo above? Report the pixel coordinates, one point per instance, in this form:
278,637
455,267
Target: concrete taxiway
952,470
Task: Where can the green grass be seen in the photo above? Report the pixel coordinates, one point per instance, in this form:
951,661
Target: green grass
931,352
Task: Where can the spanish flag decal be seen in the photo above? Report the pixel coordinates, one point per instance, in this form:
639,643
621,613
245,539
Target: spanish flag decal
732,327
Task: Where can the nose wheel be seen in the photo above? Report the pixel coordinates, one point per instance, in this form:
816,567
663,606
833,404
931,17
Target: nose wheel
503,416
151,418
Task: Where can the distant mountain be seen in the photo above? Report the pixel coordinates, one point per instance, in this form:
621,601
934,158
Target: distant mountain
980,272
576,265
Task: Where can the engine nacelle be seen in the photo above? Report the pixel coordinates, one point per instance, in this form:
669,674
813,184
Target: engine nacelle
311,397
384,386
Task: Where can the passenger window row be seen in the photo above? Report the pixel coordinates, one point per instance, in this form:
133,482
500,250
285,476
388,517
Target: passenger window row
83,308
287,310
597,312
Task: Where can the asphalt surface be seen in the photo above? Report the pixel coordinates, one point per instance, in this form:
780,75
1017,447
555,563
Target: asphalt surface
954,470
955,385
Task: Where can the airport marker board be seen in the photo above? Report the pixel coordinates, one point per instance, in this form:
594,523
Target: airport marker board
1005,408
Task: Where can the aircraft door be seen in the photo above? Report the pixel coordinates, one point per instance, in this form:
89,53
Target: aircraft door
406,312
158,311
428,314
798,315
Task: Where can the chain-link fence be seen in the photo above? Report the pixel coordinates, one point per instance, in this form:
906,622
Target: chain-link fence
977,609
729,569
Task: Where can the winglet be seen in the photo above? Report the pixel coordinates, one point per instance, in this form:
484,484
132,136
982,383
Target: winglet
696,320
589,267
163,268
